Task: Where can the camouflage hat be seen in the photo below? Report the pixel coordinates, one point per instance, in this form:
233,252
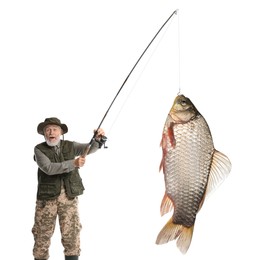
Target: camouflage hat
51,121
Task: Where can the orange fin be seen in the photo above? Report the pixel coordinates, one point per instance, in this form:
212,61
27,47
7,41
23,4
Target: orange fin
169,133
166,205
162,163
163,145
173,231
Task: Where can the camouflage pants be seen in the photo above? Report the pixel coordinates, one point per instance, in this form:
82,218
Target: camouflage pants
46,213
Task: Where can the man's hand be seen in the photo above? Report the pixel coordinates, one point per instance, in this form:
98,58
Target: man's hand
99,133
100,137
79,162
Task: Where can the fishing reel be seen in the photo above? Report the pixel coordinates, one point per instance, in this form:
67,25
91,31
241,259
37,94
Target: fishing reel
102,141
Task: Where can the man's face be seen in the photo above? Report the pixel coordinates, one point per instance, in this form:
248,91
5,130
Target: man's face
52,134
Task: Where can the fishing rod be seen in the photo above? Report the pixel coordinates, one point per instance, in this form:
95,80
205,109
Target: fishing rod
103,139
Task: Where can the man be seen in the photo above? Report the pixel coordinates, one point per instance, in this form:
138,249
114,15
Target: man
59,185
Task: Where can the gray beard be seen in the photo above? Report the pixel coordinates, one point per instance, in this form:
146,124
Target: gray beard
52,144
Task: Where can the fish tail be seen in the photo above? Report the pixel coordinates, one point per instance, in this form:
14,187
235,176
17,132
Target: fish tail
184,240
173,231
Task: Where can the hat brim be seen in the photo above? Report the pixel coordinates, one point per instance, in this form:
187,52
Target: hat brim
41,126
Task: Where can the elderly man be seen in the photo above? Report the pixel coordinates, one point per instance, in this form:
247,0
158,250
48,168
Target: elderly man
59,185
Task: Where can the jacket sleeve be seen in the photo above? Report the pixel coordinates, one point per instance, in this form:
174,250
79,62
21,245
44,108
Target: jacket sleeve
51,168
80,148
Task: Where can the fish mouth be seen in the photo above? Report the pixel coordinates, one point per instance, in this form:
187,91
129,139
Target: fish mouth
179,119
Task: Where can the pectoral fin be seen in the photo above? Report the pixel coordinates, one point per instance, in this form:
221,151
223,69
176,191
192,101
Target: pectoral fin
168,136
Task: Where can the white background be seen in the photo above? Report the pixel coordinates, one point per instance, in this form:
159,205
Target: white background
69,58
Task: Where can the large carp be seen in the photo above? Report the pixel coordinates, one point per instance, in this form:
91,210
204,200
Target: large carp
192,167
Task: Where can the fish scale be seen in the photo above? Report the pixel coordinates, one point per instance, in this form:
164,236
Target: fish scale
186,167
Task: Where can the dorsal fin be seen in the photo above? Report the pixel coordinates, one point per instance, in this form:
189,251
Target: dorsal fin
220,168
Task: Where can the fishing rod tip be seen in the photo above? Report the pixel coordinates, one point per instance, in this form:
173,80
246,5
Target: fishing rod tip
176,11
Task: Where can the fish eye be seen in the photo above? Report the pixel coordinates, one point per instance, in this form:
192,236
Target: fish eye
183,102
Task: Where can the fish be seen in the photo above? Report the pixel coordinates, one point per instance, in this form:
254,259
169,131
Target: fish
192,169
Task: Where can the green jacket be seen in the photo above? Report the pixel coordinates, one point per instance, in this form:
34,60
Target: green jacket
49,186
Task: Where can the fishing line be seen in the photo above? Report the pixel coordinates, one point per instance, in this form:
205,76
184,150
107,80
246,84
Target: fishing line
139,77
179,53
103,140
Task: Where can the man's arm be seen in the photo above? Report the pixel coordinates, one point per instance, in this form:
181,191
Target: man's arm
51,168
